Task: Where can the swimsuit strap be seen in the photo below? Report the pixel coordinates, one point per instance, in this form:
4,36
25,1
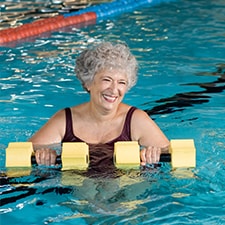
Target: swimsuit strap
127,123
126,132
69,128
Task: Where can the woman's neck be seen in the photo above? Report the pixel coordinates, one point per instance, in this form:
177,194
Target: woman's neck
101,115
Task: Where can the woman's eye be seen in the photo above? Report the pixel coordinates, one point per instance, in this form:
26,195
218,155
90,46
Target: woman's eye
106,79
123,82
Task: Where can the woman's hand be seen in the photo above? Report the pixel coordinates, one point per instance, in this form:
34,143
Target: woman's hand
45,156
150,155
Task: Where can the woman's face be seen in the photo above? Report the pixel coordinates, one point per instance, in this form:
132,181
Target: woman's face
108,88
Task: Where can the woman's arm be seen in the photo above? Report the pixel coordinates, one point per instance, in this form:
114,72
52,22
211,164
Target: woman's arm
148,135
52,132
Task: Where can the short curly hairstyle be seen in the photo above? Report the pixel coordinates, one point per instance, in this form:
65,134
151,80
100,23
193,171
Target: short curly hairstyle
103,56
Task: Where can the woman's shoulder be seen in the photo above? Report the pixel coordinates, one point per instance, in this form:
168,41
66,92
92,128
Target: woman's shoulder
125,108
140,116
58,117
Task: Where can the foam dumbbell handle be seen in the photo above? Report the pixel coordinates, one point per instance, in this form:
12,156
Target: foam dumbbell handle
165,157
58,160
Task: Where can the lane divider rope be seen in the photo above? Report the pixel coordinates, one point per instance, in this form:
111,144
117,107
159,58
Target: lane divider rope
90,14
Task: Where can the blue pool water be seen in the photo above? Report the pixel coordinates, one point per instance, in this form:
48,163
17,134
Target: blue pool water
180,47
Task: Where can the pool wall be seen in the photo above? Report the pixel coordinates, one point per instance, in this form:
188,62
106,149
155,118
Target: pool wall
93,13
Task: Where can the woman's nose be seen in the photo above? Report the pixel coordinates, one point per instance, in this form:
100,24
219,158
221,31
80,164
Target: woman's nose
114,86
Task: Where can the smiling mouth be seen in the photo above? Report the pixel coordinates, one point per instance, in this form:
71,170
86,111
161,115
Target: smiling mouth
109,98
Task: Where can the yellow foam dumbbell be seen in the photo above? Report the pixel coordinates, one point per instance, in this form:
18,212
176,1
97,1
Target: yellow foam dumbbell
75,155
182,153
18,159
18,154
21,155
127,154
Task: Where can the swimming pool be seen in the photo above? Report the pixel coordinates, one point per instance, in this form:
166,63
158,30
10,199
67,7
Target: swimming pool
181,50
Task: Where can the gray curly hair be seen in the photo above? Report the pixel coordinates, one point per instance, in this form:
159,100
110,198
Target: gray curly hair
106,55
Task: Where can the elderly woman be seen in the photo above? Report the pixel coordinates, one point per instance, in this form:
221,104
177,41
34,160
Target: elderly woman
107,72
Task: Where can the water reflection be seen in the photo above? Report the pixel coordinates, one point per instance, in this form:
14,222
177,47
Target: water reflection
180,101
14,13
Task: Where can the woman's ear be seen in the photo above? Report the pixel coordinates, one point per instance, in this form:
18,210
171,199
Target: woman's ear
87,87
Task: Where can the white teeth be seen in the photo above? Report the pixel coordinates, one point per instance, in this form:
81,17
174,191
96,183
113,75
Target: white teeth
109,98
